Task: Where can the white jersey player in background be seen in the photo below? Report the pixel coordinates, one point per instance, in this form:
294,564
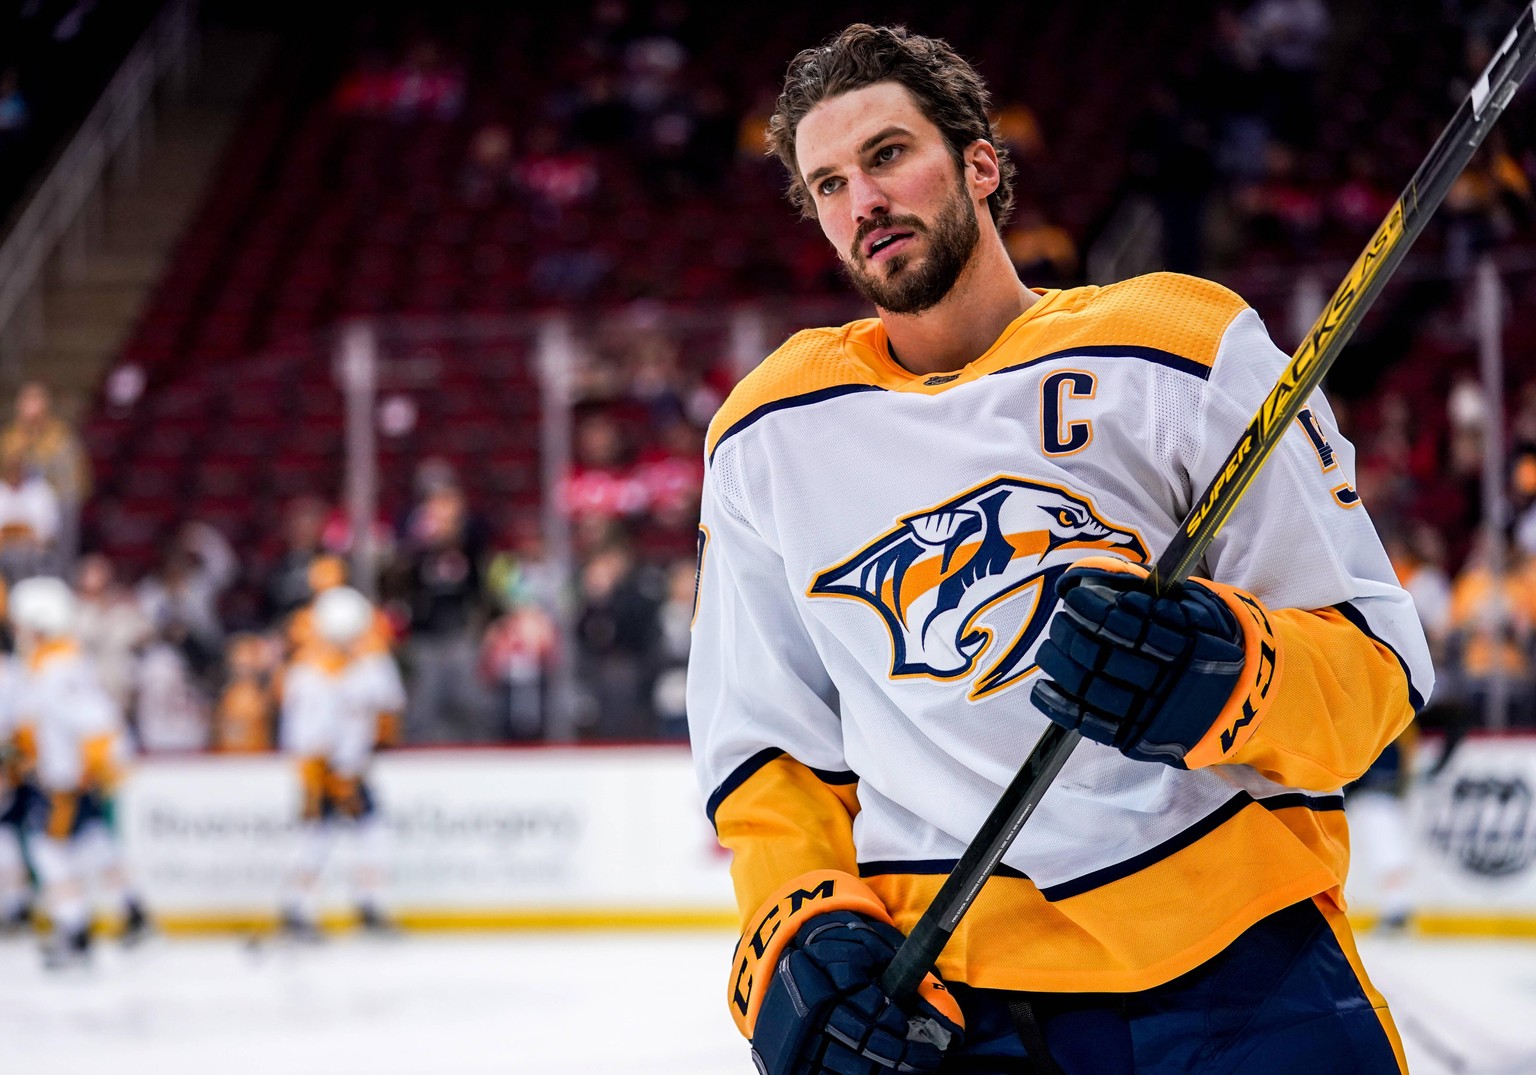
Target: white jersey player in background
18,790
341,687
82,746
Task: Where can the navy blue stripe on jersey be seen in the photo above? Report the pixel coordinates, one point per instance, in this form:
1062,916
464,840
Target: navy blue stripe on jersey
834,776
739,776
1209,823
1296,798
1077,886
1147,354
804,400
1356,617
744,772
929,866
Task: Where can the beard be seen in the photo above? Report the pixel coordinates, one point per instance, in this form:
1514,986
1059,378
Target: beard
902,289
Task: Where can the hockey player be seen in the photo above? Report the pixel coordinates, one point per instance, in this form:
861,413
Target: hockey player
923,537
81,748
339,695
18,794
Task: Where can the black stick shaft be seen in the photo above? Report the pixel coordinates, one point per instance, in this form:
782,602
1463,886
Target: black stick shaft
1311,361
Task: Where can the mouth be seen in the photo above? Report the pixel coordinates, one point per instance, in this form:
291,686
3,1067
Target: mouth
887,244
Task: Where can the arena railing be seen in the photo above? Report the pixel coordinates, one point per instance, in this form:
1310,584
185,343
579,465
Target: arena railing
55,220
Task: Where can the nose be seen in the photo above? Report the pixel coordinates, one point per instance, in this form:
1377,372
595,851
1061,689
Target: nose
868,199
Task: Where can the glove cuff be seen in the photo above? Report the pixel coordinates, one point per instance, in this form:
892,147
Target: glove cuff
771,927
1256,687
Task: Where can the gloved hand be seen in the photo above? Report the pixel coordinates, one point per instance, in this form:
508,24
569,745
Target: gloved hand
1182,679
805,987
824,1010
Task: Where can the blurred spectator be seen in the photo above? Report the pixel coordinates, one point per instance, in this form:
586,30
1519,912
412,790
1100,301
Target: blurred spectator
523,573
616,635
244,720
1289,37
602,118
1484,205
556,179
1418,560
182,599
1493,629
601,483
487,175
29,520
423,86
674,635
671,473
111,627
171,710
1361,202
443,551
15,116
1466,407
1523,496
49,449
287,583
1234,79
656,378
1170,150
517,656
1281,211
1040,250
1020,130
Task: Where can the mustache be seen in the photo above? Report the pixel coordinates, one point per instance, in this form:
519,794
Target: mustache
856,249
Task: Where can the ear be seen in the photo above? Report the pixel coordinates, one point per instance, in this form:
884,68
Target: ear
982,173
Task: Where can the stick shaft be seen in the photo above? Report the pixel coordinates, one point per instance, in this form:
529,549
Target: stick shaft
1311,361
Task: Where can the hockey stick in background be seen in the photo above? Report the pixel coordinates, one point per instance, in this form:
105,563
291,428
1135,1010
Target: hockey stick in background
1450,155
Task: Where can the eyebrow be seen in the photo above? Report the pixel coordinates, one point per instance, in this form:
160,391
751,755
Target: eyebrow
869,143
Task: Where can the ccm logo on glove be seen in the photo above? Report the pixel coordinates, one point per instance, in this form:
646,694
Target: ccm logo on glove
805,987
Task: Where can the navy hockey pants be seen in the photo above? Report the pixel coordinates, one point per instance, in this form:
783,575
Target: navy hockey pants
1282,999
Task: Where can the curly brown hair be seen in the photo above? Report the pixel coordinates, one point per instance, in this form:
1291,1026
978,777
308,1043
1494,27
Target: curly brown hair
947,89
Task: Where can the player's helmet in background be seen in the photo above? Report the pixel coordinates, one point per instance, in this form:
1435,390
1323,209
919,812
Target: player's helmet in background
342,615
44,606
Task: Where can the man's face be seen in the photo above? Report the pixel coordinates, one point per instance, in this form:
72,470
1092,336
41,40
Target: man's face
889,196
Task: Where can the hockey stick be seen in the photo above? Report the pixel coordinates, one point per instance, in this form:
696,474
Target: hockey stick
1364,281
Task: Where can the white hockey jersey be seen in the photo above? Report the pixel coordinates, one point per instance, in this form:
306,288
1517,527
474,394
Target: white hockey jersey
331,707
878,557
81,738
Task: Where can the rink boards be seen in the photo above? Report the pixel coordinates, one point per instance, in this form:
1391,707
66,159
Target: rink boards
616,836
476,839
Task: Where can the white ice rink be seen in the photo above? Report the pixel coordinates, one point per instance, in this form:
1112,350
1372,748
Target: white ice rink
560,1004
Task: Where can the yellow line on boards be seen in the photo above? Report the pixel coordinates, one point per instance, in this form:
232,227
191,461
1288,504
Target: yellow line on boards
1431,924
447,921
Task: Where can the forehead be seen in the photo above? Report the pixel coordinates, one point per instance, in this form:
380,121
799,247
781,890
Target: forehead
835,129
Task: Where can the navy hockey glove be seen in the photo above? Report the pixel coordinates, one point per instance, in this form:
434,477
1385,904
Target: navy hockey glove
805,987
1182,679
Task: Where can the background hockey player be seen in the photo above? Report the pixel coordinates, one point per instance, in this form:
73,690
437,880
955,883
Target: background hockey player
923,537
18,793
81,748
341,690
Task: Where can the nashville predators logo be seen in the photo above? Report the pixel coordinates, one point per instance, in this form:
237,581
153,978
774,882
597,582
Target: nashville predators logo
949,580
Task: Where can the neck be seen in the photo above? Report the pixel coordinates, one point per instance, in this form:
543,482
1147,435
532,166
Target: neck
984,301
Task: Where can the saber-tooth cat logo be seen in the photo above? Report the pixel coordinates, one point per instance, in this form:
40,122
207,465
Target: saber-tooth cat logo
947,580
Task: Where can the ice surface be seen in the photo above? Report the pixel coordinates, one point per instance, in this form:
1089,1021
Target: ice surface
573,1003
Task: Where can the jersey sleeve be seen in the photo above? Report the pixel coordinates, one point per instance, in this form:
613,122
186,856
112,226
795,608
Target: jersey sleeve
1354,666
762,711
